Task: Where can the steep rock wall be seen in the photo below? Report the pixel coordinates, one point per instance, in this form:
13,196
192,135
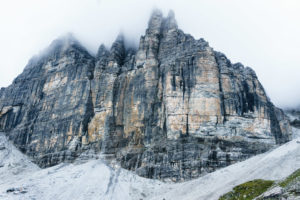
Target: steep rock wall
172,109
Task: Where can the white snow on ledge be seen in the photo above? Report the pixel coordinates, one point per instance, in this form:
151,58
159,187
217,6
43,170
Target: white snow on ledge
96,180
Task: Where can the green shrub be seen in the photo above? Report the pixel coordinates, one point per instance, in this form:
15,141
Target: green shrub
248,190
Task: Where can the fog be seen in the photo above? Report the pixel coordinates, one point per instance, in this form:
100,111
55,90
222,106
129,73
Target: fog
262,34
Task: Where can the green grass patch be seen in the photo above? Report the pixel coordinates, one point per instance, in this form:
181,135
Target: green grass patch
248,190
290,178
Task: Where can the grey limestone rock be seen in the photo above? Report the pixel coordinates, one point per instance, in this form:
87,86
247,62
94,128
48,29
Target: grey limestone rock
172,109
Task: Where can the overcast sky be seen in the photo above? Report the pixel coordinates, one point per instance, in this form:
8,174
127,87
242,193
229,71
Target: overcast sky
262,34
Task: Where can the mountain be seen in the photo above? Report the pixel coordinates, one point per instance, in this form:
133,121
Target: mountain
173,109
96,179
294,117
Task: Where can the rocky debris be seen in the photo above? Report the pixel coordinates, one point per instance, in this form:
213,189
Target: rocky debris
19,190
273,193
172,109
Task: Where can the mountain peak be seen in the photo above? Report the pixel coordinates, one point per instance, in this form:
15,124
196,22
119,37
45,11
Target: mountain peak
155,22
102,50
170,21
64,43
118,49
120,37
173,110
57,48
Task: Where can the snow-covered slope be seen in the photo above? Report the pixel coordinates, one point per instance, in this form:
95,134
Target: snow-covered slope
97,180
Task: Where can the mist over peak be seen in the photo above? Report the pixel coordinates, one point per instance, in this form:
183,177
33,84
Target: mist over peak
246,31
57,48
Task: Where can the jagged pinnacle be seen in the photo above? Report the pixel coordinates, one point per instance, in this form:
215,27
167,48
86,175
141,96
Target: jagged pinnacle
120,37
170,21
64,42
102,50
118,49
155,22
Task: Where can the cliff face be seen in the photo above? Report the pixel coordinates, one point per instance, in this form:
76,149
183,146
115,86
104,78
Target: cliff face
172,109
49,102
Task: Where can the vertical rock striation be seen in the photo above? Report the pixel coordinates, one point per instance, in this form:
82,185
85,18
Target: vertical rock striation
47,108
172,109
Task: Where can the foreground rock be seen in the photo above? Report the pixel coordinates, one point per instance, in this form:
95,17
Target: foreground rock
20,190
172,109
